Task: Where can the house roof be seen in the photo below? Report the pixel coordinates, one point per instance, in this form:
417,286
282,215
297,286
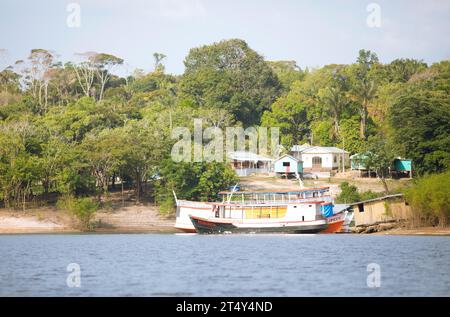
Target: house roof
339,208
377,199
290,156
248,156
359,156
402,159
300,148
306,148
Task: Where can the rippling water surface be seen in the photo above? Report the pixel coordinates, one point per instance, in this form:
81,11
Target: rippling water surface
227,265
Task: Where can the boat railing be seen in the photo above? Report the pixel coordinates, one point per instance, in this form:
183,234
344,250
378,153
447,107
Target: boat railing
255,202
279,201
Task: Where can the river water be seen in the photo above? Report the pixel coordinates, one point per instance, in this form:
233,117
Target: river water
225,265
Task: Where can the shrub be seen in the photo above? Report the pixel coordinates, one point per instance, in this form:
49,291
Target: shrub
349,194
429,198
83,209
370,195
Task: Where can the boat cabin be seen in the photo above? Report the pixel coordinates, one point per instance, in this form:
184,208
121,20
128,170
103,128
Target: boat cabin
274,197
308,211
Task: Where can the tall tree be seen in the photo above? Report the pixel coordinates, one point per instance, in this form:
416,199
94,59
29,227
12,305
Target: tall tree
287,72
85,71
379,157
232,76
420,122
158,65
402,69
364,86
290,114
105,153
104,65
334,96
38,75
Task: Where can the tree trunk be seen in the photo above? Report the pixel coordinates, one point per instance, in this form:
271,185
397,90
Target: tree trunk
123,201
46,184
138,187
362,130
6,198
442,219
102,88
383,181
45,97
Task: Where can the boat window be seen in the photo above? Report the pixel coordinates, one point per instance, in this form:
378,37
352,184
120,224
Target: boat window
217,209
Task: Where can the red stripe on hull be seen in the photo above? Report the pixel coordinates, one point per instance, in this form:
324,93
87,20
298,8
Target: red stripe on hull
186,230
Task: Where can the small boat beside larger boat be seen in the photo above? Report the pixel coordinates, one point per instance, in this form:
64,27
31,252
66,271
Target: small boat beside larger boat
303,211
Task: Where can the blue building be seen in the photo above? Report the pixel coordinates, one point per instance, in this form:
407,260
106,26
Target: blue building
287,164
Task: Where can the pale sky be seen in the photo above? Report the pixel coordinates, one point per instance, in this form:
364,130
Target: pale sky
313,33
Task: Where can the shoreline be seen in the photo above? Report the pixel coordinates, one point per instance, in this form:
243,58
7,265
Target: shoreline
144,219
422,231
48,220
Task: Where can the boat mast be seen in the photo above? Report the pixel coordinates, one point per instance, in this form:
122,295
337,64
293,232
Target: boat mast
232,191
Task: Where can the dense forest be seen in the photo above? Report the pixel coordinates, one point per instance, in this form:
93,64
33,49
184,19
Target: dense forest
77,128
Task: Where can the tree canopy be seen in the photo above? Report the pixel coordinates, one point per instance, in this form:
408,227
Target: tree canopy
232,76
77,127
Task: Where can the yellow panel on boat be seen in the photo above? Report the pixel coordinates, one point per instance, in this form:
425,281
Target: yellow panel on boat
265,212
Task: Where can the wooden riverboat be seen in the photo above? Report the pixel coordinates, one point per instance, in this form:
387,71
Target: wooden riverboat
283,218
262,211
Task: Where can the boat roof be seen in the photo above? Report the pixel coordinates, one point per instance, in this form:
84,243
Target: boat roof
318,202
276,191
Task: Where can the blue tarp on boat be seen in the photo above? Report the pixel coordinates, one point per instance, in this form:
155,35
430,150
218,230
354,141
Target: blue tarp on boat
327,210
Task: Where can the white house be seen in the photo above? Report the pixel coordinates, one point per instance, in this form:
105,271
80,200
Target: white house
321,158
246,163
287,164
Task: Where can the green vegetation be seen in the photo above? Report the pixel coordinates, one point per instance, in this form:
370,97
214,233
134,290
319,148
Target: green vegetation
82,208
429,199
196,181
350,194
76,128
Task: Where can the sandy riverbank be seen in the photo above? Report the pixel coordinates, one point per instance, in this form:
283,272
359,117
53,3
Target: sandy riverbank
421,231
128,219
